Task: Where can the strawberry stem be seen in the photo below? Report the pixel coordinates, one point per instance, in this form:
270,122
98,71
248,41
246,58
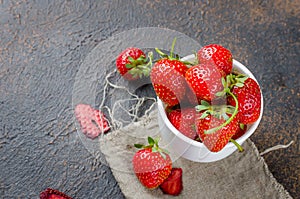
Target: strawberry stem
172,48
240,148
172,55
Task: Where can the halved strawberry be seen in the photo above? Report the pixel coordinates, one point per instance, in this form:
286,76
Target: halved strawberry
53,194
92,121
173,184
184,121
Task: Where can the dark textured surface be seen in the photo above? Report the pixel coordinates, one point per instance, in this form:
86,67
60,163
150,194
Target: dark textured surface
43,43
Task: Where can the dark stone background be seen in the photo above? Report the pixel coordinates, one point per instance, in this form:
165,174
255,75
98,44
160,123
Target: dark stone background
42,44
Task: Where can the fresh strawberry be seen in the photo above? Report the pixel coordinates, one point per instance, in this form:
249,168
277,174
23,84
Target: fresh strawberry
213,133
132,63
92,121
184,121
248,95
173,184
167,77
205,80
151,164
53,194
218,55
241,131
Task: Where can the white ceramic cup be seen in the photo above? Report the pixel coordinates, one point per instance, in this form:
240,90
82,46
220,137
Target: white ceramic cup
185,147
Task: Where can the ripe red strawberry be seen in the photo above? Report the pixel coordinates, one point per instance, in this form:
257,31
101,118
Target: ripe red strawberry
218,55
151,164
184,121
249,100
205,80
173,184
167,77
92,121
53,194
132,63
213,137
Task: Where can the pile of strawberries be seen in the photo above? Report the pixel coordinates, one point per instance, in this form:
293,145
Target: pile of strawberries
205,99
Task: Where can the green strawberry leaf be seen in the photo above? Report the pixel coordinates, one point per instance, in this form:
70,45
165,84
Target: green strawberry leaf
130,59
220,94
204,115
201,108
205,103
129,66
139,146
151,141
238,84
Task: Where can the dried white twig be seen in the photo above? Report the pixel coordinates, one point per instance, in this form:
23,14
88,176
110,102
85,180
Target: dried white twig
279,146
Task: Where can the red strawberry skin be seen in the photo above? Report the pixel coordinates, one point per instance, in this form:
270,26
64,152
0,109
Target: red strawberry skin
173,184
218,55
205,81
249,101
167,77
92,122
53,194
184,121
122,60
240,132
151,168
217,140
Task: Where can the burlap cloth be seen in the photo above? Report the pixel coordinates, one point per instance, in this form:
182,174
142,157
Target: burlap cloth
241,175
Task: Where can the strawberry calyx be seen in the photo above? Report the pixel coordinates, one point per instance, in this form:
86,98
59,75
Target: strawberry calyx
153,145
141,66
220,111
172,56
228,120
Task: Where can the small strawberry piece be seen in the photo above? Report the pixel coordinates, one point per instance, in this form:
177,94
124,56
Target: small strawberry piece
205,80
133,64
167,77
184,121
92,121
173,184
53,194
218,55
216,141
249,101
151,164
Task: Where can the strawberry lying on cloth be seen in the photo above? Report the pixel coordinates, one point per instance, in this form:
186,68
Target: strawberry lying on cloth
153,168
